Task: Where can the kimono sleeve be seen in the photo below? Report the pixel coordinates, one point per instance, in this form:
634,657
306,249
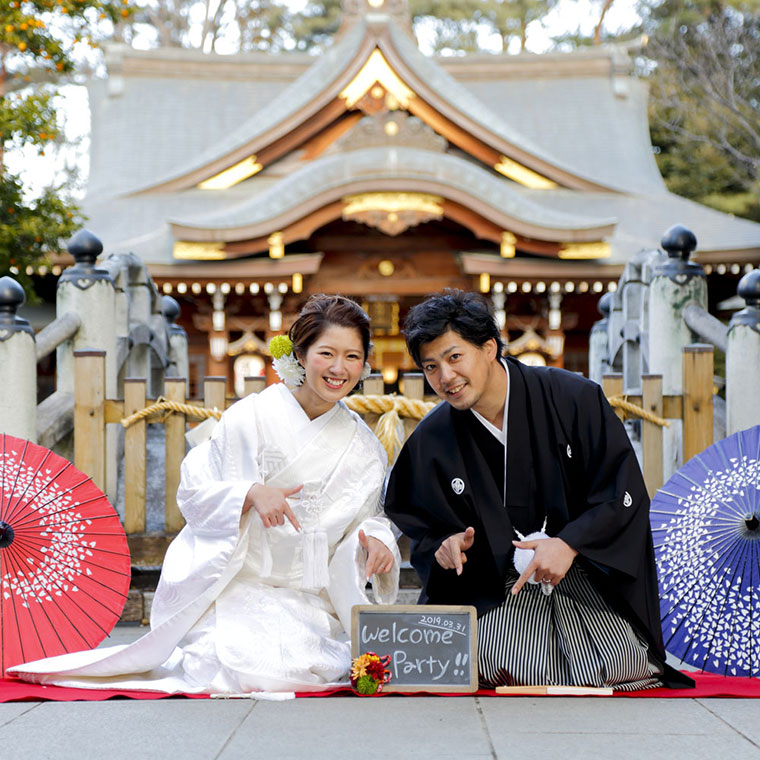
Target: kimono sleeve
415,504
608,501
347,566
211,493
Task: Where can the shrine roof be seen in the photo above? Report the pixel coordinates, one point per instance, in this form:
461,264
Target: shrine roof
642,219
164,114
139,223
331,177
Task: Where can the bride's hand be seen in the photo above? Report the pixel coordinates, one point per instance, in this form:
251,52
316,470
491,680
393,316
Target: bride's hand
271,504
379,556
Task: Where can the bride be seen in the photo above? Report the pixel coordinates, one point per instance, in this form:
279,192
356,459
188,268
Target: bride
283,530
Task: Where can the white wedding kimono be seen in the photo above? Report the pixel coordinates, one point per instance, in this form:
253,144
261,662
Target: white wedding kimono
242,608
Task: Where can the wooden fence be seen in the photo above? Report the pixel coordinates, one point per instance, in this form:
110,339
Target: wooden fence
93,412
694,408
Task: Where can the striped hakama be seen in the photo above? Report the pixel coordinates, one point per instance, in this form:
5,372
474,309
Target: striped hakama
571,637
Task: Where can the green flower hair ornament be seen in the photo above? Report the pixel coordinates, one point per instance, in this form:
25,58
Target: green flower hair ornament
280,345
284,361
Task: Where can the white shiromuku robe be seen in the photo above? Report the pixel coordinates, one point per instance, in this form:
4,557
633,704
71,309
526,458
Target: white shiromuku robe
243,608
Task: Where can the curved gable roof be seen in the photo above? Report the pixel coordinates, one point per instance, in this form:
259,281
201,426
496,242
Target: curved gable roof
319,87
332,177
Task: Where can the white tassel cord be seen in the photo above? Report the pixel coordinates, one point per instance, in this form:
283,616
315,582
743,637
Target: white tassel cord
315,553
523,557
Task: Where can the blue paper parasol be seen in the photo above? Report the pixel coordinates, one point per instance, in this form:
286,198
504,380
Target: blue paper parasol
706,526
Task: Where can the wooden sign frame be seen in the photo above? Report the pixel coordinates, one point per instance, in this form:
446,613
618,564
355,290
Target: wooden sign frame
420,610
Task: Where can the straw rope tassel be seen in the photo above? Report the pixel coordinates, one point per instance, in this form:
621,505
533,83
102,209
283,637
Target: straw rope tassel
390,428
390,432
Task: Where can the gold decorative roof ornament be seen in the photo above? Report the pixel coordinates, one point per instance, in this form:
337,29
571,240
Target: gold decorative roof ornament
508,246
276,246
247,343
231,176
198,251
594,250
531,342
522,175
390,202
392,213
376,69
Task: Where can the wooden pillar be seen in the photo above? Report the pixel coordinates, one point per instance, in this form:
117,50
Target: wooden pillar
89,414
697,399
174,390
134,457
414,388
612,385
254,384
373,386
651,434
414,385
214,392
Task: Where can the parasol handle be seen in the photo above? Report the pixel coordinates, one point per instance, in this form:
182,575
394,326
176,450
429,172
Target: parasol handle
6,534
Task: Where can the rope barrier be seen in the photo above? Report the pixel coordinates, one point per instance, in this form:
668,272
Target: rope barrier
622,402
405,407
389,428
165,408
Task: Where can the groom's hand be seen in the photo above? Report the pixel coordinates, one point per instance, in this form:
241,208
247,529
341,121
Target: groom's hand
451,553
552,559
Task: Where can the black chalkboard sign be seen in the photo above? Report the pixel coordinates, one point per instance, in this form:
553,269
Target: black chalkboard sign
432,647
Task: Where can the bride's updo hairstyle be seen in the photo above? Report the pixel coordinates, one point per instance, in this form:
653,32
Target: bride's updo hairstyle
322,311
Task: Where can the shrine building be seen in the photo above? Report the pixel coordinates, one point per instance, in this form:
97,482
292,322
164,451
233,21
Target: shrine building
248,182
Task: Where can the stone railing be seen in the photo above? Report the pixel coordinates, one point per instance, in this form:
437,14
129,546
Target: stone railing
659,309
113,307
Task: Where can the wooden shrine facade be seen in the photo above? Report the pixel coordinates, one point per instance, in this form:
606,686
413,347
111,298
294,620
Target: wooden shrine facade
247,183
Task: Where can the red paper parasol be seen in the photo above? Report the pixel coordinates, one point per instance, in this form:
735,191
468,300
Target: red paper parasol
64,560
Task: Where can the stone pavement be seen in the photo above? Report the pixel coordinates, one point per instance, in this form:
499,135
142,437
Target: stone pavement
432,727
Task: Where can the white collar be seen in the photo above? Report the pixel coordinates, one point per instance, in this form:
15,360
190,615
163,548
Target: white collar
500,435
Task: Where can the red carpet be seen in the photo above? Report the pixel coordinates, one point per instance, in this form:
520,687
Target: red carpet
708,685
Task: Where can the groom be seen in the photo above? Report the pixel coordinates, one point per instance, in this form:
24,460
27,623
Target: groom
514,450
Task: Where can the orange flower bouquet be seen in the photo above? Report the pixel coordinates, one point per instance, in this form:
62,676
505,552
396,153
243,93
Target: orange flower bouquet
369,672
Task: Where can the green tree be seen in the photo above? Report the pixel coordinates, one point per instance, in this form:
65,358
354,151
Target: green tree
317,24
597,10
450,26
230,26
705,101
511,18
37,38
210,25
457,25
